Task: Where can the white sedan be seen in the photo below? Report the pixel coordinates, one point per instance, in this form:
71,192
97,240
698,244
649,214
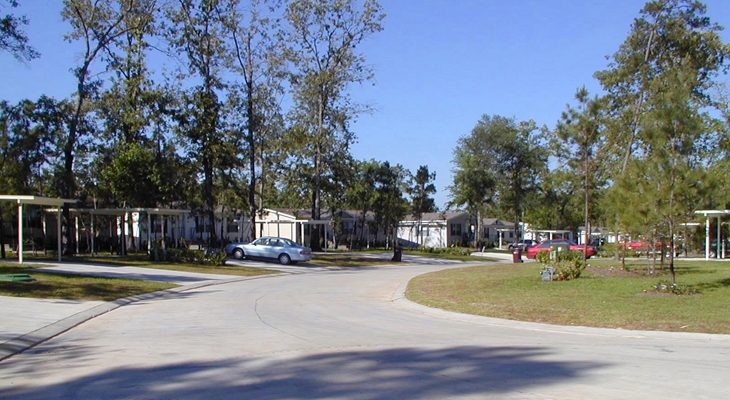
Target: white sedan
270,248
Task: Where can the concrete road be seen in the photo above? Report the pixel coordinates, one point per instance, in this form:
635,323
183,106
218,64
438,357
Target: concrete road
350,334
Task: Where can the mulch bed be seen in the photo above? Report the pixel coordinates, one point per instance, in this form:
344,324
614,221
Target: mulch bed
618,272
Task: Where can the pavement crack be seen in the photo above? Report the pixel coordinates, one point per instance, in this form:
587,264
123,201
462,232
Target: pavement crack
258,315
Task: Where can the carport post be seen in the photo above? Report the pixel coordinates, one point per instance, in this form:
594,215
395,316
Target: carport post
20,232
707,238
717,250
301,227
58,232
149,232
93,233
76,232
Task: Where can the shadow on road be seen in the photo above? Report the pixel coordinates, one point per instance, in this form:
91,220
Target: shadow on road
393,373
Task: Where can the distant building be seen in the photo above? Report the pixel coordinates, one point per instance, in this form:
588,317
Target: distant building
439,229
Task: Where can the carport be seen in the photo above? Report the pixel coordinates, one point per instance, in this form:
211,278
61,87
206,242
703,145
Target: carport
123,213
36,200
709,214
538,234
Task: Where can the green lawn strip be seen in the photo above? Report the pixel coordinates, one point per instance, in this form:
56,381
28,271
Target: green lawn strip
516,292
48,285
338,259
447,256
143,261
334,259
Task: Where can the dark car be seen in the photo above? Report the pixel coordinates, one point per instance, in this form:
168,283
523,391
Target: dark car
546,245
270,248
522,244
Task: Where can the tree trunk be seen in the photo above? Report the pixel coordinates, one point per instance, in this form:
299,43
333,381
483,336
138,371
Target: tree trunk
587,223
252,127
316,198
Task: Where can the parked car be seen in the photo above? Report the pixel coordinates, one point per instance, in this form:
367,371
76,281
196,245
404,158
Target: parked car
270,248
546,245
641,246
522,244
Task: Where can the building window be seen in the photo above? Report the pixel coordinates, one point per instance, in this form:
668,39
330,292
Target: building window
455,229
232,228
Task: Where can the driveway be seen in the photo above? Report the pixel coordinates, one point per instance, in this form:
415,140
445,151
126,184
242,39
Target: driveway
350,334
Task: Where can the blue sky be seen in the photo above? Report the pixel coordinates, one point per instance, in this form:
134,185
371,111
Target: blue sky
439,66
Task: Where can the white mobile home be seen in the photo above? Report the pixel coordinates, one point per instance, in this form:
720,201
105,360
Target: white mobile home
439,229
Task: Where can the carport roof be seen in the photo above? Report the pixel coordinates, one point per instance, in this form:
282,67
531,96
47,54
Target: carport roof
44,201
122,211
713,213
38,200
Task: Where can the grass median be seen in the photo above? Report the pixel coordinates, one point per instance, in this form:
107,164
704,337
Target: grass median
604,296
52,285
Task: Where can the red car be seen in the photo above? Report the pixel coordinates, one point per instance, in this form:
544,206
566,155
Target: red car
636,245
546,244
646,247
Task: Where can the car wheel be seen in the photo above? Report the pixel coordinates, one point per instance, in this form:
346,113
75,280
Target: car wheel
284,259
238,254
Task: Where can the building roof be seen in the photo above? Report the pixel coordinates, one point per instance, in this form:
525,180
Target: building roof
437,216
497,222
305,214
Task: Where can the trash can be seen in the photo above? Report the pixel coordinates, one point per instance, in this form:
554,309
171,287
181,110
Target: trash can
517,254
397,253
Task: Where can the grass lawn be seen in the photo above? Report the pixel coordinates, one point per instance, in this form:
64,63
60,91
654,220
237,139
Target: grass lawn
143,261
364,258
604,296
74,286
71,286
447,256
336,259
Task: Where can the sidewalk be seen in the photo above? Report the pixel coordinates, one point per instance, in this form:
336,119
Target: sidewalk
27,322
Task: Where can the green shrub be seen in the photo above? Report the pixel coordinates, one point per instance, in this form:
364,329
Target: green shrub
185,255
567,264
567,270
455,250
608,250
216,259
